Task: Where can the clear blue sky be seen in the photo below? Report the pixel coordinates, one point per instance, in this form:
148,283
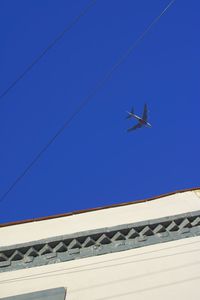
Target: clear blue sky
95,162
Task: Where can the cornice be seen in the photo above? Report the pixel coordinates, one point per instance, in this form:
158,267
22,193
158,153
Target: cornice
77,212
100,241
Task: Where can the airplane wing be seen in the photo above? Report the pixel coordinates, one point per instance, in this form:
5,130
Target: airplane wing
145,113
134,127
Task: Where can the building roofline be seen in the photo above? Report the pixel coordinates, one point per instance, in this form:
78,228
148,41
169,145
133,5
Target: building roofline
97,208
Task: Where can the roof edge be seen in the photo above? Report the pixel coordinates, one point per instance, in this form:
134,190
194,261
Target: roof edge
97,208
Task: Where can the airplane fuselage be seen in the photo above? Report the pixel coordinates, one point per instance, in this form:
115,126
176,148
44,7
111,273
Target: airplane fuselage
144,123
140,120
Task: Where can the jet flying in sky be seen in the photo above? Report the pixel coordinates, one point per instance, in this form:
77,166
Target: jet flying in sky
142,121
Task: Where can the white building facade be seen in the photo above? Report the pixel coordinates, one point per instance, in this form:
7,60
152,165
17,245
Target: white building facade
141,250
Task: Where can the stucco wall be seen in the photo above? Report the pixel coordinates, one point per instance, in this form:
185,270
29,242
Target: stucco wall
169,270
166,206
163,271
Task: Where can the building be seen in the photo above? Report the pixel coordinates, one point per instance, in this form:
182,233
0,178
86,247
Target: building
140,250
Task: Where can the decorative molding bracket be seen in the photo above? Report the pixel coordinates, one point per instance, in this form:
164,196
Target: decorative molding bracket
99,241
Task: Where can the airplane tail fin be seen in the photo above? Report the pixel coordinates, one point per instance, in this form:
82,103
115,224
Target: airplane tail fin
130,113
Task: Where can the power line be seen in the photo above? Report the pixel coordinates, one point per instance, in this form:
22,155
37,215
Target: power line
50,46
94,265
86,101
80,269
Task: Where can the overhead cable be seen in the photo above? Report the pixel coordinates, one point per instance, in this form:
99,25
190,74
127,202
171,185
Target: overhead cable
79,269
49,47
85,101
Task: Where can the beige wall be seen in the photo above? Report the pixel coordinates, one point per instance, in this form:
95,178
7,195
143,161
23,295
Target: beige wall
163,271
166,206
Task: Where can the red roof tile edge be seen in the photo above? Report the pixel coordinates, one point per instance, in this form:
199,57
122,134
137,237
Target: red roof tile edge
97,208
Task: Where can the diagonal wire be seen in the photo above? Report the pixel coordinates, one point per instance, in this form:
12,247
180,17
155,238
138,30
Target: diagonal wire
86,100
49,47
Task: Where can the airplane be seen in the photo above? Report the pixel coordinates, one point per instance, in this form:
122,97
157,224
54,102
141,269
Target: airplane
141,121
